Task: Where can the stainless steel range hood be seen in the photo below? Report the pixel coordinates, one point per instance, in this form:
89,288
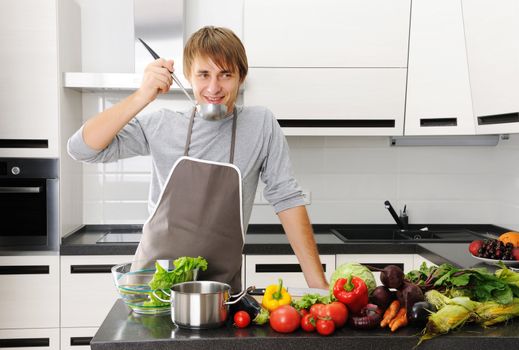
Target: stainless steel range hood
158,22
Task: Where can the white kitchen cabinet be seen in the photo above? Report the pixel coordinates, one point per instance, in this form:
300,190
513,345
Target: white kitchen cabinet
29,83
492,39
41,338
264,270
87,288
29,286
438,90
76,338
418,260
329,33
379,261
325,101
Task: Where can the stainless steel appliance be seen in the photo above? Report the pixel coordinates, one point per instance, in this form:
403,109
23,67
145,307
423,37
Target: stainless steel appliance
29,210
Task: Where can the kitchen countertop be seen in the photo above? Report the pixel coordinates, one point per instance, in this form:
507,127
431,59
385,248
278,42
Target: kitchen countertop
125,330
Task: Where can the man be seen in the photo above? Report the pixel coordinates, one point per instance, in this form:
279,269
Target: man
202,167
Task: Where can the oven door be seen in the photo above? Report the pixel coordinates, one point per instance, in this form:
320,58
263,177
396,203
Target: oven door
27,211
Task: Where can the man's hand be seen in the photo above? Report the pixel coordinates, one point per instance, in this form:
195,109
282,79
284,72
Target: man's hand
156,80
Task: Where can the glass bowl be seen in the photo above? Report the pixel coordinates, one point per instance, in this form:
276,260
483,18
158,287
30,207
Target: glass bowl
132,282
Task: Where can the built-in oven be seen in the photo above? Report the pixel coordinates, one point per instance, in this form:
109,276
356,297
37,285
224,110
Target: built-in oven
29,205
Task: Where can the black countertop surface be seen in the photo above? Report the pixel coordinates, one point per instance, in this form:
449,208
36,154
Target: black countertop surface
123,329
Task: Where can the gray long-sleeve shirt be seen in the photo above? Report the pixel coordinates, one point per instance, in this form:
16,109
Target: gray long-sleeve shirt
260,150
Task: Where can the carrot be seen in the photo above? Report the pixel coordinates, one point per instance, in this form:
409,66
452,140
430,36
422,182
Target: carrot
400,320
390,313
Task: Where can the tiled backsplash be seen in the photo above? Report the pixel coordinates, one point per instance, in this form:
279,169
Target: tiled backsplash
349,179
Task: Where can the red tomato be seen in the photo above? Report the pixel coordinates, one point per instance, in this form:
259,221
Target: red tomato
325,327
338,312
318,311
303,312
285,319
308,323
241,319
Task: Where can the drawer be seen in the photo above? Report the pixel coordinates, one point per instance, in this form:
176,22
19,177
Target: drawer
87,289
264,270
404,261
29,286
42,338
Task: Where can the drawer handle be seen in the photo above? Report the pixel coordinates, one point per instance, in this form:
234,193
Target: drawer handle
24,342
266,268
107,268
376,267
23,143
499,119
25,270
426,122
80,341
337,123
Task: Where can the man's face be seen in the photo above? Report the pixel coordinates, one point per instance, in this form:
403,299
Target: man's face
212,84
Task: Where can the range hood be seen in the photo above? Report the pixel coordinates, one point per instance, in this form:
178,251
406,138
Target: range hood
158,22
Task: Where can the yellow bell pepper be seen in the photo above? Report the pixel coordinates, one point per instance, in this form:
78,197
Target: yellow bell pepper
275,296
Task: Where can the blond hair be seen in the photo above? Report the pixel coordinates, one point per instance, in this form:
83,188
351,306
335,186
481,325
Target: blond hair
220,45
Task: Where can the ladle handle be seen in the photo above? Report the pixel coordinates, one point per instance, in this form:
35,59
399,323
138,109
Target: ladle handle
239,295
175,79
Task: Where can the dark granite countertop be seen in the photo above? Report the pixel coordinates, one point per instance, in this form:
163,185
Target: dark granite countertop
125,330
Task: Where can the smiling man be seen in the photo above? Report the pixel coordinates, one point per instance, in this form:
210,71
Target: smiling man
205,171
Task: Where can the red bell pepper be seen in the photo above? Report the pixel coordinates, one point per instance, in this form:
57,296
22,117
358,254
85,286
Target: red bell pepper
352,292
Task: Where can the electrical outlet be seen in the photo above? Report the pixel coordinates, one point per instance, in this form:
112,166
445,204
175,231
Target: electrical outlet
307,196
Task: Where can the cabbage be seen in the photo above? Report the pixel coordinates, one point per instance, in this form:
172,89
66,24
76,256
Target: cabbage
353,269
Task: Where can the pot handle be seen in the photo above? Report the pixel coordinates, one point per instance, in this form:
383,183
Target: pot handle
163,300
239,295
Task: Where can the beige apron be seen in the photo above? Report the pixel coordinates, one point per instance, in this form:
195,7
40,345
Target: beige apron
199,213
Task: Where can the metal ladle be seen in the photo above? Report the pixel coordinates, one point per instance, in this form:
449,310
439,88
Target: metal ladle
206,110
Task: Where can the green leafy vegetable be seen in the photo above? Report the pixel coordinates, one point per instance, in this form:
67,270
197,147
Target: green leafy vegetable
478,283
163,279
308,300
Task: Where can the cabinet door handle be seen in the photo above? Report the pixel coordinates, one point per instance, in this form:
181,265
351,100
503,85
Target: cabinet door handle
426,122
19,189
375,267
24,342
102,268
80,341
23,143
25,270
498,118
337,123
266,268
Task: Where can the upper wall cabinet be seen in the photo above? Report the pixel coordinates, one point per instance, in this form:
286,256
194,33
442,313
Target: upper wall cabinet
29,78
438,89
332,67
328,33
492,38
331,101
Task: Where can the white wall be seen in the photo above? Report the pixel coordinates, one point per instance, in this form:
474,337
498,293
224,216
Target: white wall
349,178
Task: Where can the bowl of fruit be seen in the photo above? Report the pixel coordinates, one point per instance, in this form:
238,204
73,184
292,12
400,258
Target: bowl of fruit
490,251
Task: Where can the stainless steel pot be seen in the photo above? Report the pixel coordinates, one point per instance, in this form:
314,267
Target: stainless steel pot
202,304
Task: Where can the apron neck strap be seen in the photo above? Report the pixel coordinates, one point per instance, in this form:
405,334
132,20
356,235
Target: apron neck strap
233,137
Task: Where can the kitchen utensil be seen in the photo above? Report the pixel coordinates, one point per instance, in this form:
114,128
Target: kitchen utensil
207,111
133,288
202,304
296,292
